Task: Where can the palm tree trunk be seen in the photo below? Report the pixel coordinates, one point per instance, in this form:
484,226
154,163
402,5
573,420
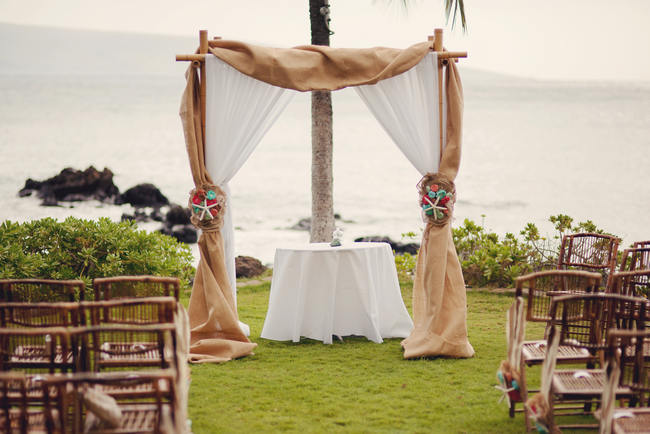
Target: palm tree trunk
322,203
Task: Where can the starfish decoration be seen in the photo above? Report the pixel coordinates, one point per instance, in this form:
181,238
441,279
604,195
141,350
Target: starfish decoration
433,206
505,392
204,208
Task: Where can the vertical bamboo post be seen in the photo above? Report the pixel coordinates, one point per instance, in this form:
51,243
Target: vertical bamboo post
203,49
437,47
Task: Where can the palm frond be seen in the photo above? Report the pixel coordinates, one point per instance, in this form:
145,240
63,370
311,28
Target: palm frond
453,7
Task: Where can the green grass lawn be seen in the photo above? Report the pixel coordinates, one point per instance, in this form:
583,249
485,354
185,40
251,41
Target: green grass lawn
355,385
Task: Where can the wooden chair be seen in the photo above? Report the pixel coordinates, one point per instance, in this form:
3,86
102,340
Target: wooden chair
539,289
41,290
19,413
51,349
25,315
638,244
108,288
146,414
583,321
589,252
626,368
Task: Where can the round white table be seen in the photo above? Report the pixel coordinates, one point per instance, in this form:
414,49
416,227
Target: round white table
319,291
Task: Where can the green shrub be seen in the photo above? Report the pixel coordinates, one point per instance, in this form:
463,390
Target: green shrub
85,249
487,260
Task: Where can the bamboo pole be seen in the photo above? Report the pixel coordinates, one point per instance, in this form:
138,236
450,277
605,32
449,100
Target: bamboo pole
201,57
437,47
203,49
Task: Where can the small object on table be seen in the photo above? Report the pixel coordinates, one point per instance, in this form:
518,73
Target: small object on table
336,237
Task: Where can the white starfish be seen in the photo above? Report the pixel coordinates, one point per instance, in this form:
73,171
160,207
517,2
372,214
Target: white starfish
505,390
434,206
205,209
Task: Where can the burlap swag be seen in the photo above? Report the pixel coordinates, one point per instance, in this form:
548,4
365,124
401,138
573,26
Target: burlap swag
439,302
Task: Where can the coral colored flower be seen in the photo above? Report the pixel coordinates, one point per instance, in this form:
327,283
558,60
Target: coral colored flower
214,212
434,187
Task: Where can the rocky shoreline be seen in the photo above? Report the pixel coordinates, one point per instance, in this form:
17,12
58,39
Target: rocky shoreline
72,185
150,204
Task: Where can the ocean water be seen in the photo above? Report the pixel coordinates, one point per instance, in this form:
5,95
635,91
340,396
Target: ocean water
531,149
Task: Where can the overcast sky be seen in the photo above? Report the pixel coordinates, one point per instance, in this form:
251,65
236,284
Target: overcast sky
551,39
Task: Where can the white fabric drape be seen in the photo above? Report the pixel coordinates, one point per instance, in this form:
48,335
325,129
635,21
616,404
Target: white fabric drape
406,106
239,111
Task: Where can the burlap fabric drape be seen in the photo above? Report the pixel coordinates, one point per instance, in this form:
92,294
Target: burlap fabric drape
215,335
439,299
315,67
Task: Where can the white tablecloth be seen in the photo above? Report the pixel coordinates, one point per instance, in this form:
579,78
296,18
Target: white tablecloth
318,291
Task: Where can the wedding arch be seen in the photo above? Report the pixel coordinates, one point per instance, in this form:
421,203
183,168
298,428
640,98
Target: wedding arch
234,93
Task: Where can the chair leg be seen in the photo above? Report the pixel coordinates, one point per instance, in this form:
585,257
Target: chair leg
512,409
523,389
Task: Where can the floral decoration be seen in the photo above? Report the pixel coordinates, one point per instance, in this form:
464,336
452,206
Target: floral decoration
207,205
437,198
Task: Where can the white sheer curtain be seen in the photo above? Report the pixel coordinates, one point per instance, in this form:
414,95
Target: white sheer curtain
406,106
239,111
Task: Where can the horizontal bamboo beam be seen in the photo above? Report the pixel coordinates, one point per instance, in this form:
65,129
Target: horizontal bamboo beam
201,57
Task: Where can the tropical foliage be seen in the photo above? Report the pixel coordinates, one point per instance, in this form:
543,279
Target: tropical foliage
490,260
85,249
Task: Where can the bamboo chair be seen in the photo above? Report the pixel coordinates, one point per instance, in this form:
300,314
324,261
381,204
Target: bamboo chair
37,350
108,288
539,289
41,290
150,414
19,413
626,368
589,252
584,321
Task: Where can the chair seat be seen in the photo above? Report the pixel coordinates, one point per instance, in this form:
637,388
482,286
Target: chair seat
135,419
129,354
631,420
588,382
137,391
534,353
38,355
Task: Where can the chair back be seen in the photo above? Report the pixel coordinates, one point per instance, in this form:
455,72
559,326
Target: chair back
627,351
41,290
134,311
108,288
152,410
589,252
544,285
641,244
585,320
631,283
22,315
